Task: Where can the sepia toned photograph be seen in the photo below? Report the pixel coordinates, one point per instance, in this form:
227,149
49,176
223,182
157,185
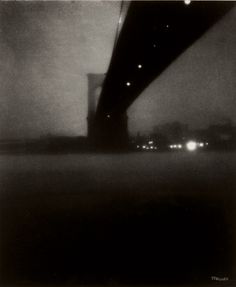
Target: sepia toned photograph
117,143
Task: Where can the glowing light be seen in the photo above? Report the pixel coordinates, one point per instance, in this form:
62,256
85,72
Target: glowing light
143,146
151,147
167,26
201,144
128,84
191,145
150,142
140,66
174,146
187,2
180,146
137,146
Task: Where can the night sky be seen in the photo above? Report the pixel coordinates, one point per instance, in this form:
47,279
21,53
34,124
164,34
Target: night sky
46,50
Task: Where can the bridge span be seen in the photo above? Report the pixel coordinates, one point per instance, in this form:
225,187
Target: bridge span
153,35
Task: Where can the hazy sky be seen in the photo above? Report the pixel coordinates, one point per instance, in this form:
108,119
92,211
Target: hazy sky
46,51
47,48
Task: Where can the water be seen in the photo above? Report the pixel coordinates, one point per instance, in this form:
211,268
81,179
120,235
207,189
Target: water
118,171
131,218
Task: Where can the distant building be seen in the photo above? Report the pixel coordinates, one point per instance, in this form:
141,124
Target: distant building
171,132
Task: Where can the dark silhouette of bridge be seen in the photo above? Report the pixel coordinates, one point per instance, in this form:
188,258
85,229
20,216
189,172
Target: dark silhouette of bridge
154,34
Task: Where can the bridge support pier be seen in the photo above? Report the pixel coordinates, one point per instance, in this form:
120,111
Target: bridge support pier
111,131
104,130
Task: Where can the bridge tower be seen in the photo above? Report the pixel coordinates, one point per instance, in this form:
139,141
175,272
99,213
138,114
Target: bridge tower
95,82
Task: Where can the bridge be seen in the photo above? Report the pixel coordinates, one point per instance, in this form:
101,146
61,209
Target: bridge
153,35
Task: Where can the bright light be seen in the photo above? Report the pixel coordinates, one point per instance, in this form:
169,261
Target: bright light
174,146
171,146
143,146
150,142
179,146
137,146
128,84
151,147
206,143
140,66
187,2
191,145
108,116
167,26
201,144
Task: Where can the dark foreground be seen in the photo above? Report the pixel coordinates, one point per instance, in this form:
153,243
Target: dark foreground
157,219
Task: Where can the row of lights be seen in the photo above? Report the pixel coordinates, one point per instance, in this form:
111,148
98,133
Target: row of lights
147,147
140,66
154,46
128,84
191,145
186,2
176,146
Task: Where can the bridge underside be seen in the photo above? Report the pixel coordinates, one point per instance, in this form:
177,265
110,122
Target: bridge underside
154,34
